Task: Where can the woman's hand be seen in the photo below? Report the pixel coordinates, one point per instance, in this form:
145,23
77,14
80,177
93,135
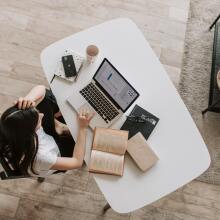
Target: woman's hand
85,117
24,103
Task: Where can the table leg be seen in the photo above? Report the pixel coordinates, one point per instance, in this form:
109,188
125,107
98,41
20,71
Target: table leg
106,207
40,179
210,107
204,111
210,28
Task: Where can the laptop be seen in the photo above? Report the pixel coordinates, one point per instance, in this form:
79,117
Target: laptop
108,94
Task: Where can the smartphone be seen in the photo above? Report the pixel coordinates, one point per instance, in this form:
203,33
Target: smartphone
69,66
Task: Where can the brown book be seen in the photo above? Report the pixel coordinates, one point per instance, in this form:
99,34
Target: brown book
141,152
108,150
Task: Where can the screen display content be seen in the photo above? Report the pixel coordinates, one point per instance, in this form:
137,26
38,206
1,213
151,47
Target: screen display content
115,85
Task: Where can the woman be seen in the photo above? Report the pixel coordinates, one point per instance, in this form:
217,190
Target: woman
30,135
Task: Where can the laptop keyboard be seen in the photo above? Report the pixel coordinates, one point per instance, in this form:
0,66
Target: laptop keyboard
98,101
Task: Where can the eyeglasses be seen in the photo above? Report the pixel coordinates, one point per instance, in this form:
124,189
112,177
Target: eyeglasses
136,119
141,119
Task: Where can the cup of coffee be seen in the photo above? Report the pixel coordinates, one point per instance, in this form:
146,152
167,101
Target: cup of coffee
91,53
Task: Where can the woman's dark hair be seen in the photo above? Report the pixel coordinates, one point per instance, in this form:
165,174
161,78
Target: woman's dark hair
19,140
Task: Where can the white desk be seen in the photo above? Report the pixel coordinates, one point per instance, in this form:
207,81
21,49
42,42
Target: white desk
176,139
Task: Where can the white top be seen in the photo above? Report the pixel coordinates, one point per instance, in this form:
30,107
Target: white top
47,154
176,140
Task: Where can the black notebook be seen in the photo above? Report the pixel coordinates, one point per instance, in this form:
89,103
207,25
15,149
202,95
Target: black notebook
140,120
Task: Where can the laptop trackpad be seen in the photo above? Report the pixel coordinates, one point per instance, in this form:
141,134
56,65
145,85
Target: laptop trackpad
96,121
76,101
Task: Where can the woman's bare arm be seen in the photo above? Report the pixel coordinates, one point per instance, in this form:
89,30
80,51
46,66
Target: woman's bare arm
69,163
76,161
33,98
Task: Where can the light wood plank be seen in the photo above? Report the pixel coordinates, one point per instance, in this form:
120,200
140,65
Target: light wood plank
171,58
6,102
163,40
35,10
8,205
77,179
203,190
14,87
155,23
190,205
3,217
21,71
178,14
92,186
13,19
29,209
56,195
173,73
182,4
20,54
154,213
99,8
25,38
51,28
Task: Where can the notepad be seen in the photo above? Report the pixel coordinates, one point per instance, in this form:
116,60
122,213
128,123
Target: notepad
78,61
145,128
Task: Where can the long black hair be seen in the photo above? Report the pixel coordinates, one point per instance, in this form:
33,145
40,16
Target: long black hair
18,138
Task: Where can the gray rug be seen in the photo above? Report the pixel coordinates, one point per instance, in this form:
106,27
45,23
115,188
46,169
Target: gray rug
195,78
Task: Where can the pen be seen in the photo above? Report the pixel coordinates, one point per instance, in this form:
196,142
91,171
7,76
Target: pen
52,79
78,73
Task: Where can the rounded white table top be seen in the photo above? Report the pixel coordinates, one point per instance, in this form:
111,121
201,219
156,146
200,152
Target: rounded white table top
182,152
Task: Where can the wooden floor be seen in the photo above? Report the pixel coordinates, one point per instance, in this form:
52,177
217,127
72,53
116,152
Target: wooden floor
27,26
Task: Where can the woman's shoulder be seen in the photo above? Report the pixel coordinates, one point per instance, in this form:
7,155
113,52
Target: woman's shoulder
46,145
45,160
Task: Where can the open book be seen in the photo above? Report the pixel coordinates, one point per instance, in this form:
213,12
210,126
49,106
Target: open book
108,150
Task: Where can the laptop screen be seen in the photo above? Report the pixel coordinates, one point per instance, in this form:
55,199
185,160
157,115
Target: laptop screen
115,85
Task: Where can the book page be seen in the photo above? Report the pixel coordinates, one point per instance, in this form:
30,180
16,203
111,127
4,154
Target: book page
102,162
110,140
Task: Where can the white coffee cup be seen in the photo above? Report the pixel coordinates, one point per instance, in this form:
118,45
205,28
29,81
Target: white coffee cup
92,53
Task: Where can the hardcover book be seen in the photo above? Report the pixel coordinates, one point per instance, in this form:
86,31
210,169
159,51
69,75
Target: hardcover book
141,152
